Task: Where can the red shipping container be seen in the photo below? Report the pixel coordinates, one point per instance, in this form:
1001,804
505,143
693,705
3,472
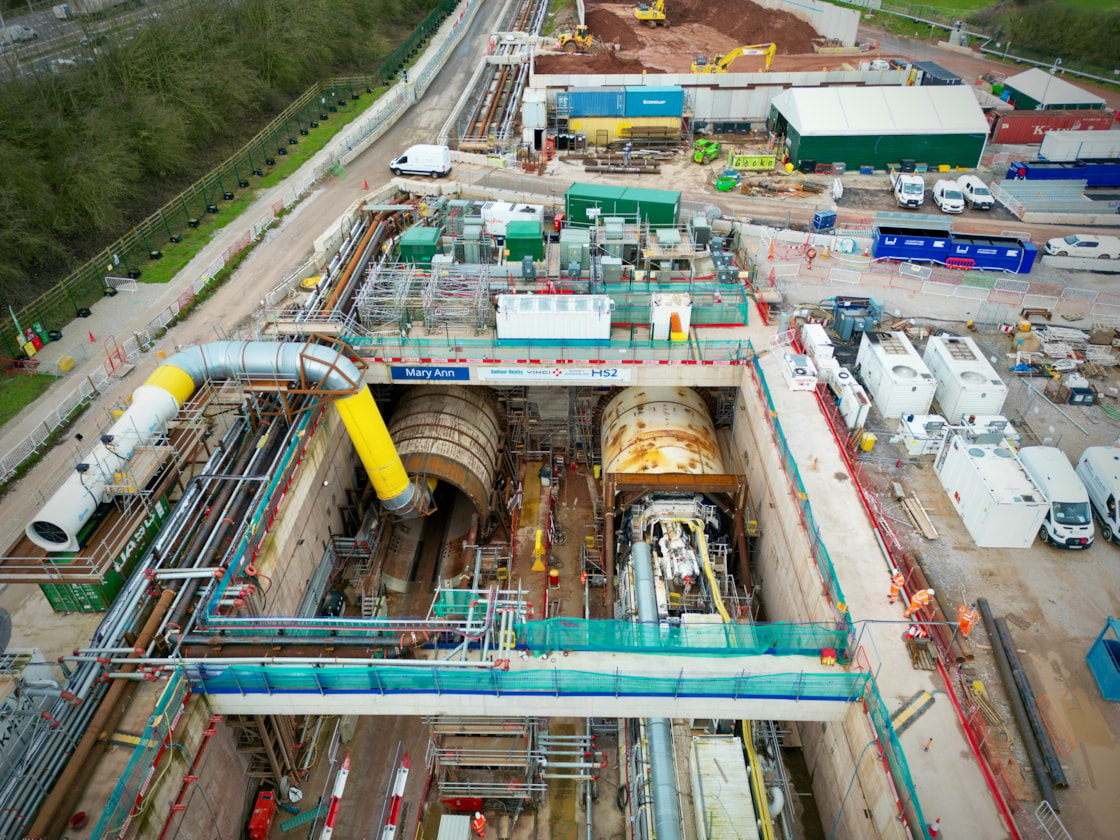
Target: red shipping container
1024,127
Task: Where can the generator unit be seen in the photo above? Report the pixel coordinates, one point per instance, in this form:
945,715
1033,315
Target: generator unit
894,374
998,501
967,385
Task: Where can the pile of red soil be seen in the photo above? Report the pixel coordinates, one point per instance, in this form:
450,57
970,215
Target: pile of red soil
697,28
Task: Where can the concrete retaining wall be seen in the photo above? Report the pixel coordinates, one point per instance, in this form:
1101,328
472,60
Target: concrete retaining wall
848,780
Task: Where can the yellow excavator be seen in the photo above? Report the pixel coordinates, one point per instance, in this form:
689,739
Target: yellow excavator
652,13
720,63
579,41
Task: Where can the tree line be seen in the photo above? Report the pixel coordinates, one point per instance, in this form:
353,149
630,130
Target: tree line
1083,36
89,150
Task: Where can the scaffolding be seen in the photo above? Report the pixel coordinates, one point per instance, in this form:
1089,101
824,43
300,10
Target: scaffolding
487,758
457,298
581,432
391,296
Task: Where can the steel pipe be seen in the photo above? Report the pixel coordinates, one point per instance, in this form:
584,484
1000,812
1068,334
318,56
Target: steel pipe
1030,704
1034,754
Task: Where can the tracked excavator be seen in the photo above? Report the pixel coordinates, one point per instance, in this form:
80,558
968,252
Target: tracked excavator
720,63
652,14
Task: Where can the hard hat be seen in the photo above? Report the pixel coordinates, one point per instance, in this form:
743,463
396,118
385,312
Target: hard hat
478,815
930,591
894,571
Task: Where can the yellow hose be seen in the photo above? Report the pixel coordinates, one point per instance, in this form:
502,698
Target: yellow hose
374,446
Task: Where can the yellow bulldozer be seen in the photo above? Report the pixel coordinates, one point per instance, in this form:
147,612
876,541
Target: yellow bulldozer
578,41
720,63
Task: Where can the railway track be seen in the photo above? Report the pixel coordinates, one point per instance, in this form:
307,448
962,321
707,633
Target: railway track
487,119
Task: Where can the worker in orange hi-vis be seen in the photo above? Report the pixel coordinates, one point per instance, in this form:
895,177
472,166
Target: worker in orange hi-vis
897,582
479,823
967,618
920,599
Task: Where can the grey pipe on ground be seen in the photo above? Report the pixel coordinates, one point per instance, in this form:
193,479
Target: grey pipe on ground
1034,754
1038,727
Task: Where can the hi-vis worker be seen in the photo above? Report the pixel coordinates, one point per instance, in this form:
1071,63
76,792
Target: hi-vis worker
897,582
479,823
920,599
966,619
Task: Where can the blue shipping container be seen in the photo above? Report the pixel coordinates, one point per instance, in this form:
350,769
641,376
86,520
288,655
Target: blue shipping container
663,101
987,253
592,102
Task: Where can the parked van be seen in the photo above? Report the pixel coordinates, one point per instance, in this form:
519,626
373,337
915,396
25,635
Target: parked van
1099,470
1069,522
18,32
976,192
423,159
947,196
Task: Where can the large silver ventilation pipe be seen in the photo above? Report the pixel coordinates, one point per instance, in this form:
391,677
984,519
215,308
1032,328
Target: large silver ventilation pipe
158,400
659,731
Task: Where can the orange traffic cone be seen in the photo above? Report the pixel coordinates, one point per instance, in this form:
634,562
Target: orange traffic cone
935,828
92,340
365,184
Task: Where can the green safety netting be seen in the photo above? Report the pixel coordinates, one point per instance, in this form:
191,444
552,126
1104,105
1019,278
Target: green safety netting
838,686
780,639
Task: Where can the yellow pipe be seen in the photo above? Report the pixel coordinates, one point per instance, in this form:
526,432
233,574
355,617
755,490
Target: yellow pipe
374,446
175,381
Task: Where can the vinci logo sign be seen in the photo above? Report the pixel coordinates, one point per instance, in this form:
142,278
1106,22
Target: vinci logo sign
558,374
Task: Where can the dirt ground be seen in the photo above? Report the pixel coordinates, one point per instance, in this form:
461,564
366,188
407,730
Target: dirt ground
696,28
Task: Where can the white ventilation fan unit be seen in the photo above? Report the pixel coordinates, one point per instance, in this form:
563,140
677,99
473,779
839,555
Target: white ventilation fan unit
799,371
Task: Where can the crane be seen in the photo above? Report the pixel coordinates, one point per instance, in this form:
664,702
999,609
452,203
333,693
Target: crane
720,63
652,13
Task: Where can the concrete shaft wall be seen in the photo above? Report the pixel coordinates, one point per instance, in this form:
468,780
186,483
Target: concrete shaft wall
848,780
309,513
215,806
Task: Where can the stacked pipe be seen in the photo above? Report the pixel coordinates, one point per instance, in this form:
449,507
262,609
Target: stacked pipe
1034,716
1018,709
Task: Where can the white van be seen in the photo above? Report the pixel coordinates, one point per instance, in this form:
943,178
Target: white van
976,192
423,159
1069,522
1099,470
16,33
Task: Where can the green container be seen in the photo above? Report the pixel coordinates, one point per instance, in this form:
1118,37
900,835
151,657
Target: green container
96,597
660,208
524,239
419,244
584,203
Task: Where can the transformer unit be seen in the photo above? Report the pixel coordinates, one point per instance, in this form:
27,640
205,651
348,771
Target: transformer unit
894,374
967,384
